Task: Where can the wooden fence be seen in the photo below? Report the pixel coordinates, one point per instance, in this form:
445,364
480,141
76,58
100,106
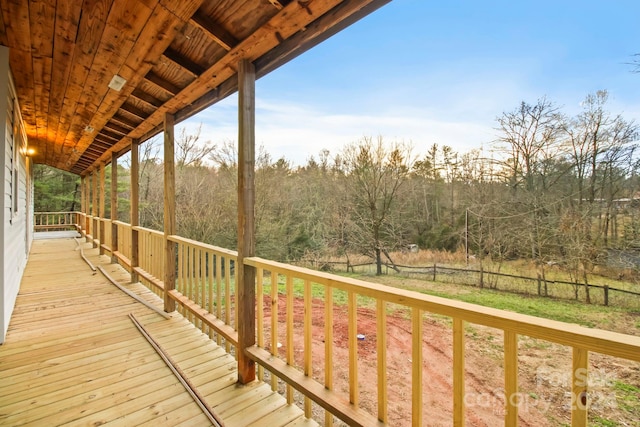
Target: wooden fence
598,294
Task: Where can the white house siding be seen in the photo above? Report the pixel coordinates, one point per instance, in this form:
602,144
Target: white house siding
15,235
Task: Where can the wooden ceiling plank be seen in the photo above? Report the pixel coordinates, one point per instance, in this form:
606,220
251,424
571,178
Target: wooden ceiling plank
183,9
215,31
286,23
16,21
156,36
184,62
91,25
42,83
41,24
66,29
162,83
22,72
123,25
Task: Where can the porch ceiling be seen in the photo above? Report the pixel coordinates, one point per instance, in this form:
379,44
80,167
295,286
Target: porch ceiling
177,57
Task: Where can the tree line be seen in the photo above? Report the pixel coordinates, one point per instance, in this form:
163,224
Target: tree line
552,188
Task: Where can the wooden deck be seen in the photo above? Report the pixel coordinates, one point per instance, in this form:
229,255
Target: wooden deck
74,357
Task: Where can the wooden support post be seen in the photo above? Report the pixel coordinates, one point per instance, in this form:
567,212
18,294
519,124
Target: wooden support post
114,207
94,208
134,220
101,207
87,204
246,294
83,205
169,212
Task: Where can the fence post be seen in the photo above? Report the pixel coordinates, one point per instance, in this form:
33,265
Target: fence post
434,271
606,295
481,276
539,285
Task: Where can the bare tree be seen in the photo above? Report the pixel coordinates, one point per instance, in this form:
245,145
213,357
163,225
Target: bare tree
190,151
375,175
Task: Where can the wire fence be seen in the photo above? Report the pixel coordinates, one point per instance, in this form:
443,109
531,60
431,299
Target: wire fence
597,294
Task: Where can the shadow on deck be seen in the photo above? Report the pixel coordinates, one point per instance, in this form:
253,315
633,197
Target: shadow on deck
73,356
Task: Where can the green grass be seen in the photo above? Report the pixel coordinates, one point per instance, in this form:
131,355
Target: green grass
589,315
603,422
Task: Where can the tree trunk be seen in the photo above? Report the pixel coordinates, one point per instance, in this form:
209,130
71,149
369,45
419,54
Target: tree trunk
378,261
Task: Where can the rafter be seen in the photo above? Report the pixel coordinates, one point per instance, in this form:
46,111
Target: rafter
116,128
132,109
105,140
162,83
184,62
123,121
215,31
145,97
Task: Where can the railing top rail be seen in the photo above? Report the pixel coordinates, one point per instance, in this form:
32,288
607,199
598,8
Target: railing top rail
597,340
56,213
126,224
148,230
222,251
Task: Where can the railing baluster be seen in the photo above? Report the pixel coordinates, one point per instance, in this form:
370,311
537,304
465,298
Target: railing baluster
328,348
260,315
416,367
381,340
458,373
201,287
511,378
219,264
274,323
352,314
227,294
290,361
308,334
181,275
211,287
579,383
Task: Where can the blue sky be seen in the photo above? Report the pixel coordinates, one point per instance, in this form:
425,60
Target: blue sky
428,72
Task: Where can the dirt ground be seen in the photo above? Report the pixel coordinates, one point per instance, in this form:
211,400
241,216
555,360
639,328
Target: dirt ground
544,384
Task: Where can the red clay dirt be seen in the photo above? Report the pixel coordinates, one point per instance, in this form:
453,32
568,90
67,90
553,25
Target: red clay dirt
484,373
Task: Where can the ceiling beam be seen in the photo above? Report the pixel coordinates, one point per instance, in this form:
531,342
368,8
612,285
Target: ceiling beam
184,62
109,134
215,31
130,124
146,98
117,128
162,83
132,109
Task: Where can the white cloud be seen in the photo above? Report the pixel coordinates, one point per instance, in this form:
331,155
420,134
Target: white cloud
297,131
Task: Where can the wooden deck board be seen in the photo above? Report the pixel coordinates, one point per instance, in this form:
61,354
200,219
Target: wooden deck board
73,356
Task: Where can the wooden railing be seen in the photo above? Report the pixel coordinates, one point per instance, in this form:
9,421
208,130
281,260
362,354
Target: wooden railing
205,289
284,351
279,283
47,221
